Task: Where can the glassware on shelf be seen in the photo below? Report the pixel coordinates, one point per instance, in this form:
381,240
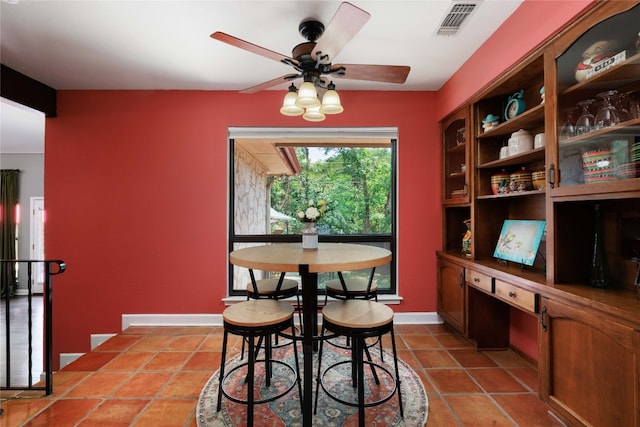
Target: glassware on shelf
585,122
621,102
607,114
634,105
568,129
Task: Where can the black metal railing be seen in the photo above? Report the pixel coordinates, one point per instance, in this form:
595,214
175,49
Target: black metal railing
51,268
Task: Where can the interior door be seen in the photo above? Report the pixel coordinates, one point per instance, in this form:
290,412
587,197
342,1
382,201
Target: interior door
36,243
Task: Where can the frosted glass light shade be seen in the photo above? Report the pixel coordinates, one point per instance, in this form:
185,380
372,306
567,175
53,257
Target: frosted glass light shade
331,103
289,107
313,114
307,96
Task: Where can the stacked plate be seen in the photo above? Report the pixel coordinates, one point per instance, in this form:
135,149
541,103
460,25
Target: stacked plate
598,166
631,169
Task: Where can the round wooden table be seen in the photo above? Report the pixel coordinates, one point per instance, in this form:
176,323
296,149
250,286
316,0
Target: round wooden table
329,257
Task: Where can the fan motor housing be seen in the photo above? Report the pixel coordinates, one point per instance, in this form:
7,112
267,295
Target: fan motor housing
311,29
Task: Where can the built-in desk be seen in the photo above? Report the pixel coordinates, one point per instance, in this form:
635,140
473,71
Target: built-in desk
588,338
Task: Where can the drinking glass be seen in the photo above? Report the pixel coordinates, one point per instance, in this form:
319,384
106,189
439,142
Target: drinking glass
568,129
585,122
607,114
634,105
621,102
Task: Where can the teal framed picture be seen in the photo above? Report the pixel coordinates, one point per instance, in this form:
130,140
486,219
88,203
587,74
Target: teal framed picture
519,240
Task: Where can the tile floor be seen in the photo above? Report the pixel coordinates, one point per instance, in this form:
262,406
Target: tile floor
152,376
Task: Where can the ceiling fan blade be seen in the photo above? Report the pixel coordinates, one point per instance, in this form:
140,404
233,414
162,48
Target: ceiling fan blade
347,21
376,73
270,83
253,48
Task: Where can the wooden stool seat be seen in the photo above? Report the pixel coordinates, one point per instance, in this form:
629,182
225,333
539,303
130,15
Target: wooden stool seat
357,314
268,288
258,313
354,287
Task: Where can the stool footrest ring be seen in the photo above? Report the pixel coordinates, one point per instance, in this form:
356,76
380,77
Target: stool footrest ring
391,392
294,381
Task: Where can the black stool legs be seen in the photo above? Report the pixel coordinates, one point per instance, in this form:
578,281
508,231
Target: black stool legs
359,320
257,320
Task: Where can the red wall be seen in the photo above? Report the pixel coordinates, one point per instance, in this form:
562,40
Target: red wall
136,185
136,198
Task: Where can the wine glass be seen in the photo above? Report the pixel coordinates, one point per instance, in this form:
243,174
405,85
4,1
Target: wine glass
621,102
607,114
585,122
568,129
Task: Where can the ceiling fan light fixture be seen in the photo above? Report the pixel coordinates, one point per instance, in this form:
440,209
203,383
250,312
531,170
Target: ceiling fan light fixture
289,107
331,101
307,96
313,114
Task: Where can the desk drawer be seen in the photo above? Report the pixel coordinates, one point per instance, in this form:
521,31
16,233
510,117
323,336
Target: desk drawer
479,280
519,297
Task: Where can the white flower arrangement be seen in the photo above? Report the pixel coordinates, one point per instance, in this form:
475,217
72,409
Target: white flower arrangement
313,212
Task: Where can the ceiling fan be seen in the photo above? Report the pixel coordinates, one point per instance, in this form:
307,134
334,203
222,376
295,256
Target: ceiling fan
313,59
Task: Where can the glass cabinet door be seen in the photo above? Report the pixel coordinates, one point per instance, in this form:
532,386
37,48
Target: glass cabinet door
598,121
455,187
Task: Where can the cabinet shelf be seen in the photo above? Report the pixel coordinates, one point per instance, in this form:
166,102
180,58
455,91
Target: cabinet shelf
531,118
518,159
625,73
457,148
515,194
630,128
621,189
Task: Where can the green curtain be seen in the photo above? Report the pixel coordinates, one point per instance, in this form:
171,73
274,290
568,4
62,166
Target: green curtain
8,221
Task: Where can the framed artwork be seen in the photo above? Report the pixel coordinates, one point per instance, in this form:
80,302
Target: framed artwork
519,240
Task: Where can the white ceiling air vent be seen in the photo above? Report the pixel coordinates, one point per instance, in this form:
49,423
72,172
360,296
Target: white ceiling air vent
454,19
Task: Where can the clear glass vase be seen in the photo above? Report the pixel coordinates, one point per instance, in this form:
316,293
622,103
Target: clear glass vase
310,236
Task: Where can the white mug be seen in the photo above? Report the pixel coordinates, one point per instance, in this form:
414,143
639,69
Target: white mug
539,140
504,152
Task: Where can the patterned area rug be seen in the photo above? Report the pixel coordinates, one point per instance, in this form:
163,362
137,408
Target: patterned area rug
286,411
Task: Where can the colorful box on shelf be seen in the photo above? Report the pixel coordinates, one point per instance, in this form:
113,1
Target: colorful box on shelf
606,63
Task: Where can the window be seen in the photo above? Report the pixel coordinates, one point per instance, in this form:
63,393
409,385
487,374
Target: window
271,178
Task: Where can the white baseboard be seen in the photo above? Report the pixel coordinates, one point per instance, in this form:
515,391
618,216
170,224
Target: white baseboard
66,358
171,320
421,318
417,318
97,339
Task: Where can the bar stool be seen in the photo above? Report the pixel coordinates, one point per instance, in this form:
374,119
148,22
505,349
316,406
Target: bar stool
359,320
257,319
353,288
272,288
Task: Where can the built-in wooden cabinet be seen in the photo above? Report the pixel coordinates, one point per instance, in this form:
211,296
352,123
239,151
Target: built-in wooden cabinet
451,294
588,338
589,365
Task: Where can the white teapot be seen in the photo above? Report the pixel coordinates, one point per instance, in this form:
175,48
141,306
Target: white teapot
520,142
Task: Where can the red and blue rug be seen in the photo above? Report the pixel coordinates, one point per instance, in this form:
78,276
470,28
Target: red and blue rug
286,411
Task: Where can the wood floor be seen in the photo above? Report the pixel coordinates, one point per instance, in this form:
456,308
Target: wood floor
19,345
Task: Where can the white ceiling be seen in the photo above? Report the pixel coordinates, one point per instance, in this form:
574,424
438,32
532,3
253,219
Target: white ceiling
167,44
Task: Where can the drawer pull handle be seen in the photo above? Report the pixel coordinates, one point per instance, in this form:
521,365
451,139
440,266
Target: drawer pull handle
475,279
512,294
